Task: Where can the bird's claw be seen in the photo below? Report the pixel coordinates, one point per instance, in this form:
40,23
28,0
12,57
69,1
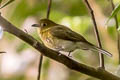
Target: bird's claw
100,68
69,54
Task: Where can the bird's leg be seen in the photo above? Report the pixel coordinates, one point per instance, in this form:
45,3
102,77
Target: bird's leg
59,49
69,54
59,53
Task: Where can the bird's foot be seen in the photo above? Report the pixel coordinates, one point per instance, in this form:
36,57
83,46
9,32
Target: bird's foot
69,54
59,54
100,68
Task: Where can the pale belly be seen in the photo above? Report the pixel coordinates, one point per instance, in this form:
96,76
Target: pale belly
60,45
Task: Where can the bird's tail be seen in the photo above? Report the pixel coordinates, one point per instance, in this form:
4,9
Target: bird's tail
89,46
102,51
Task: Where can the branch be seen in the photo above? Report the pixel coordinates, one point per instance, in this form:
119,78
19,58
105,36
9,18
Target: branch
101,57
71,64
118,34
39,68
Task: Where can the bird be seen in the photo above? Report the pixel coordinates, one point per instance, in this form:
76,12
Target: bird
61,38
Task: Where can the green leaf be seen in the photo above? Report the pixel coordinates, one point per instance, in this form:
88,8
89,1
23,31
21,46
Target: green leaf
10,1
114,12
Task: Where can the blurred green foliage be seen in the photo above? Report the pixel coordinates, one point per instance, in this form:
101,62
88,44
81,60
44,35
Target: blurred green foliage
22,77
21,47
112,31
0,1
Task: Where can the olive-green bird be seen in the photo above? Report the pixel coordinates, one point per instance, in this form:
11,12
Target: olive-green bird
61,38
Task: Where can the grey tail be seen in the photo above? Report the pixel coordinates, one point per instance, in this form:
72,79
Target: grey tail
102,51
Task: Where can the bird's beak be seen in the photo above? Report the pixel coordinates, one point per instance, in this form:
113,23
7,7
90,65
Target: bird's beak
35,25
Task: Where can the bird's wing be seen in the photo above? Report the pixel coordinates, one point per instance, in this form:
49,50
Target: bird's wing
65,33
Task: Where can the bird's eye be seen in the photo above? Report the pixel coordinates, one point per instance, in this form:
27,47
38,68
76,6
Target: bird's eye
43,24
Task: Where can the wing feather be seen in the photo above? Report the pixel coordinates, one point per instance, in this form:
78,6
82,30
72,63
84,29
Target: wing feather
65,33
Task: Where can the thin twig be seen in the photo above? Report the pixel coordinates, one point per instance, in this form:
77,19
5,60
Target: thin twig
101,57
49,7
2,52
39,68
7,3
71,64
118,34
41,56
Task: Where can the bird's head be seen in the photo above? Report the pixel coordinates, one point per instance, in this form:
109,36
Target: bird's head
44,24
